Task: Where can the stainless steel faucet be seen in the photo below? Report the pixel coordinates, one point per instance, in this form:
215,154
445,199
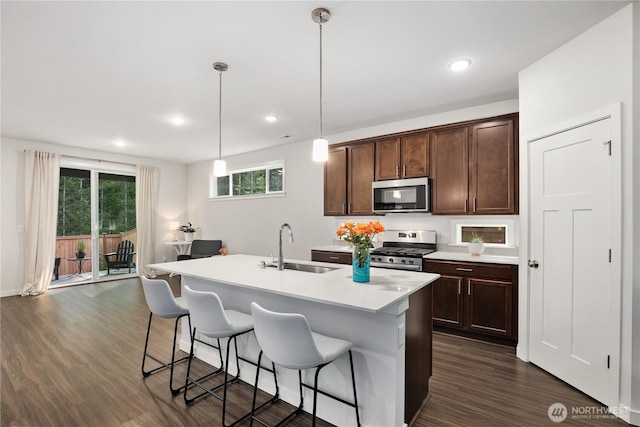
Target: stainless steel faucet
280,259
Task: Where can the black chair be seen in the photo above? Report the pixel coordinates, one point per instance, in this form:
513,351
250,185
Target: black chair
202,249
56,268
121,258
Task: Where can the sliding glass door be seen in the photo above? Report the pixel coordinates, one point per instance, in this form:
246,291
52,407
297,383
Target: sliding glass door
96,222
116,224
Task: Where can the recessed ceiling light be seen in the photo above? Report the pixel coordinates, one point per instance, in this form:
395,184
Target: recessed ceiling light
271,119
177,120
460,64
120,142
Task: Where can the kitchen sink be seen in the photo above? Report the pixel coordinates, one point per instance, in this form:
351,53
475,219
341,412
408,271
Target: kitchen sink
304,267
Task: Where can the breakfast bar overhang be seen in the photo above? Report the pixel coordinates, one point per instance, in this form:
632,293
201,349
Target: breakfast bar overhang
371,315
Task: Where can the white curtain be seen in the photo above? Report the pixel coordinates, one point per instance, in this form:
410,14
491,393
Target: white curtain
146,191
41,180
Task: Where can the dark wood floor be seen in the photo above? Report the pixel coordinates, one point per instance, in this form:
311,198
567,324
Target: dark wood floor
72,358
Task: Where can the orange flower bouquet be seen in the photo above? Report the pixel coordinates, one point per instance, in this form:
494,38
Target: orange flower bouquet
361,235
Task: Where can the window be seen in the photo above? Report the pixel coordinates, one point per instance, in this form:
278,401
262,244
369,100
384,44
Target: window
264,180
494,233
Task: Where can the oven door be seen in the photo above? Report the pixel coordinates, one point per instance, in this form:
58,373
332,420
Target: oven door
403,195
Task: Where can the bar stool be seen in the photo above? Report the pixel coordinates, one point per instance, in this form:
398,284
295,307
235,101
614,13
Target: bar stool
163,304
213,321
287,340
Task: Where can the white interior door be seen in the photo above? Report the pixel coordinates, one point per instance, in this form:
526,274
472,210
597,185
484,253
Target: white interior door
570,240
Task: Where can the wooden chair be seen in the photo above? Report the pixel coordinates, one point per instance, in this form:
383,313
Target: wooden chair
56,269
122,257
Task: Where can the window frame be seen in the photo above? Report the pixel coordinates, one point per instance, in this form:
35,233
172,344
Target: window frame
267,167
508,224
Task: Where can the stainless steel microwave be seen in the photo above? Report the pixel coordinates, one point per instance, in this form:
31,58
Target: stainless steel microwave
402,195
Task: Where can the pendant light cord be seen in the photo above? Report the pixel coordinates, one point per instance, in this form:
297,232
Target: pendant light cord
220,120
320,24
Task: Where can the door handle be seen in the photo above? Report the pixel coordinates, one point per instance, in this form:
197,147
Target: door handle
464,269
533,264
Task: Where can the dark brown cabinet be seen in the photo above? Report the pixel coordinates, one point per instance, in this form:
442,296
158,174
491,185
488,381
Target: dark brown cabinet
492,168
450,171
473,299
330,256
405,157
349,172
474,169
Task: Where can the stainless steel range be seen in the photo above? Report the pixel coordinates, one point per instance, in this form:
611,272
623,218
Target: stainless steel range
403,250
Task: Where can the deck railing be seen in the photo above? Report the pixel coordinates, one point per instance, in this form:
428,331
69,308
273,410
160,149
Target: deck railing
66,247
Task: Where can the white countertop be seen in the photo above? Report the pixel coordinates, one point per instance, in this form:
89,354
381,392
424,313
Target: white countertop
467,257
334,248
386,288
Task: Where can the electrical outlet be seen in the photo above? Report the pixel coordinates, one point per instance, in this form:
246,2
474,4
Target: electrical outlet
164,259
443,238
20,228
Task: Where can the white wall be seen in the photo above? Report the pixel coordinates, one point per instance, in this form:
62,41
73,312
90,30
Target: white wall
593,71
172,203
251,226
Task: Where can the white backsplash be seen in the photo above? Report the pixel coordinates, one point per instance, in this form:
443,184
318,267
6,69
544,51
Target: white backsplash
440,224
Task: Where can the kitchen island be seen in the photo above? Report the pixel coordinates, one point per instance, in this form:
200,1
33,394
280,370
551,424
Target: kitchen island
371,315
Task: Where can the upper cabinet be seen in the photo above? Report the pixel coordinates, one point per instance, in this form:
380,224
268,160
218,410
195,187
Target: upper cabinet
349,173
402,157
492,168
474,169
450,171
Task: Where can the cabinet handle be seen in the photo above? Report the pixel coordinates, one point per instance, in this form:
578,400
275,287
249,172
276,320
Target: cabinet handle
466,205
459,287
397,170
348,208
469,270
468,288
343,209
334,257
474,205
404,170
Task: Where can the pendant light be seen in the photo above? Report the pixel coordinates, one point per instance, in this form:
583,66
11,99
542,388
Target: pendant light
320,145
219,165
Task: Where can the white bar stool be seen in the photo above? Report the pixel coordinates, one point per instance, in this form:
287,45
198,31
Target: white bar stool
287,340
163,304
213,321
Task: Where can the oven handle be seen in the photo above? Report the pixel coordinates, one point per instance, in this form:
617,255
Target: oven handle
397,266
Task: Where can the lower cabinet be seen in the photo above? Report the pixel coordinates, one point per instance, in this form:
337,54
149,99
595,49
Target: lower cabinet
475,299
418,341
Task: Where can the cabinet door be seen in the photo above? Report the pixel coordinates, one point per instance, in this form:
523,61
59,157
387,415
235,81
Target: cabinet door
415,156
335,182
388,159
450,171
360,177
489,307
447,301
492,177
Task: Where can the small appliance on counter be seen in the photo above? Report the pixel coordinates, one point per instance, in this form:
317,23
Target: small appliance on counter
403,250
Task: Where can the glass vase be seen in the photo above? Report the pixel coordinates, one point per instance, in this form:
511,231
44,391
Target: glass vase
361,264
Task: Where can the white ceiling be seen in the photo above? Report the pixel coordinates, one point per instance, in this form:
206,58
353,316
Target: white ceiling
88,73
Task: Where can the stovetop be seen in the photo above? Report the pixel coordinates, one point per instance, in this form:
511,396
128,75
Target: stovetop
404,252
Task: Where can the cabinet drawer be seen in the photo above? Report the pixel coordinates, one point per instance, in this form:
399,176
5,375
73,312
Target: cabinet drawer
334,257
466,269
